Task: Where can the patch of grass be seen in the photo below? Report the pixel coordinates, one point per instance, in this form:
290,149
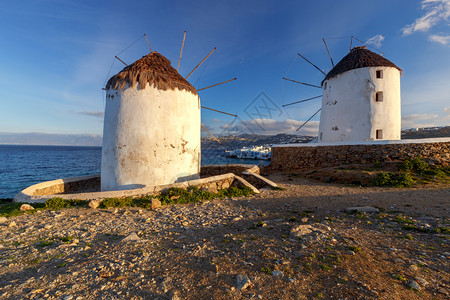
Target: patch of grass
277,188
266,270
325,267
44,243
394,179
56,203
66,239
35,261
12,209
59,203
355,249
260,224
238,242
176,196
116,202
444,230
402,219
409,237
63,264
400,277
306,213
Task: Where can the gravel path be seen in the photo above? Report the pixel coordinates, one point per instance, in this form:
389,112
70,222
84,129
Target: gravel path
243,248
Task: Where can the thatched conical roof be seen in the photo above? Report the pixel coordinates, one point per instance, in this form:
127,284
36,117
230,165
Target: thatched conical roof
359,57
153,69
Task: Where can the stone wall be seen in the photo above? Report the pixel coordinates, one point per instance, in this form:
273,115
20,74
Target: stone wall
238,169
69,185
285,158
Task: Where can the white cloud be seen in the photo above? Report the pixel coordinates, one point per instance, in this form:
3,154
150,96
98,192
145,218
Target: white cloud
419,120
444,40
97,114
39,138
435,12
375,40
272,127
447,110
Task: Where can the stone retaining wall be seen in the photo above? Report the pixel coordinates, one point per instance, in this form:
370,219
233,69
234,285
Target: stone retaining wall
87,188
238,169
285,158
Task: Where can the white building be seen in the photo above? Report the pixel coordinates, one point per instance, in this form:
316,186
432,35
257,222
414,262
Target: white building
361,99
151,133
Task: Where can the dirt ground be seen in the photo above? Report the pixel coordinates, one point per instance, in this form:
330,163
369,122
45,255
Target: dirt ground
238,248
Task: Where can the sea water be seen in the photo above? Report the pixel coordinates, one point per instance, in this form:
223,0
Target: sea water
22,166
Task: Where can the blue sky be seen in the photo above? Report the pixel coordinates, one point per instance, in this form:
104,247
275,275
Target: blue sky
55,57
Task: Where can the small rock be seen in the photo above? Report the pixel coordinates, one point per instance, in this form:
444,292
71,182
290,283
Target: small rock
414,285
300,230
442,291
304,220
174,295
94,203
242,282
105,274
156,203
413,268
398,260
366,209
351,252
26,207
322,227
277,273
12,224
3,220
133,237
421,281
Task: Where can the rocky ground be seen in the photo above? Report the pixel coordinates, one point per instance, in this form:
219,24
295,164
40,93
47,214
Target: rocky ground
298,243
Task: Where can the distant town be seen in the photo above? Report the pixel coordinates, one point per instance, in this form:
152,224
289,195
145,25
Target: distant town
249,140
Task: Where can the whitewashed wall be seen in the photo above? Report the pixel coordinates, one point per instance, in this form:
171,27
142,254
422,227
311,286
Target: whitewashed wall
150,137
350,112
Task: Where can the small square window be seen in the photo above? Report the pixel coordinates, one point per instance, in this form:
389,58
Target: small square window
379,96
379,134
321,135
379,74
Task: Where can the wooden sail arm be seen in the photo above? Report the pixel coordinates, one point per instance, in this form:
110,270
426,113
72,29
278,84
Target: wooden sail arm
148,43
204,128
201,62
308,84
216,84
332,63
121,61
309,119
181,52
304,100
312,64
219,111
